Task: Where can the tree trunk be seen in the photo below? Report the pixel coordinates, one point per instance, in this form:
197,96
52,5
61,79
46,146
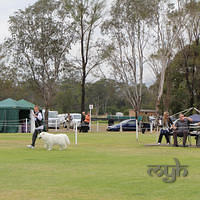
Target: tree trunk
190,85
167,97
46,117
83,92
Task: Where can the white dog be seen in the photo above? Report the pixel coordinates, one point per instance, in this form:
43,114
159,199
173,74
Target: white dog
54,139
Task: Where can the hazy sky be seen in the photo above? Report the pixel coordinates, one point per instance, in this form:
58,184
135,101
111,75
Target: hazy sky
8,7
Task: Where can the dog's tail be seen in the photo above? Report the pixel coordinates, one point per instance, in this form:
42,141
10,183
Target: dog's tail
67,139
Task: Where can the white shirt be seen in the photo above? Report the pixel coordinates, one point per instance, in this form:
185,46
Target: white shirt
39,116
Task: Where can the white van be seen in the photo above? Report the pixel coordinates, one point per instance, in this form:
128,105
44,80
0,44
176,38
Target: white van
62,118
76,118
53,120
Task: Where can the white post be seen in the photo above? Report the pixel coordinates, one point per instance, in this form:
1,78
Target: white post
137,130
121,129
90,120
26,125
90,107
157,132
97,126
56,125
151,127
32,121
76,133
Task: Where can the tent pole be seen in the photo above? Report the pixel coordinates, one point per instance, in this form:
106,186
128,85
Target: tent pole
26,125
184,111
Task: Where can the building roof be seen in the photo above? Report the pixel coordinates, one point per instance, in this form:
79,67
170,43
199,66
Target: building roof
145,110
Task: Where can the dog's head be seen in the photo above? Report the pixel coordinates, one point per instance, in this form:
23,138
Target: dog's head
41,135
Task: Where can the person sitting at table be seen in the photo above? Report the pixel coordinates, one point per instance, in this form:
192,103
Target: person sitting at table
181,128
166,128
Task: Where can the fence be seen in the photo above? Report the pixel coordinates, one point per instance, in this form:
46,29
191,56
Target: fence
22,125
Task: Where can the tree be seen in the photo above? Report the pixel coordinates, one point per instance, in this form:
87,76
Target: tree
86,16
129,31
179,76
168,26
106,96
189,38
40,40
68,96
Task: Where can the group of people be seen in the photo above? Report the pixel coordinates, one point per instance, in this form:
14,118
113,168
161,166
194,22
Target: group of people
39,126
179,128
85,121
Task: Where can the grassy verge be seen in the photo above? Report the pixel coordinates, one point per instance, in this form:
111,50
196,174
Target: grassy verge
102,166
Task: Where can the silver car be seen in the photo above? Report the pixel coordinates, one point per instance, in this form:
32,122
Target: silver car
53,120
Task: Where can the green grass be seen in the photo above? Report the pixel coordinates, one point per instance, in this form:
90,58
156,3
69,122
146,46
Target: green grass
102,166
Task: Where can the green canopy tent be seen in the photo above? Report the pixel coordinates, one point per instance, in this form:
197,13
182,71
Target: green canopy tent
25,104
13,113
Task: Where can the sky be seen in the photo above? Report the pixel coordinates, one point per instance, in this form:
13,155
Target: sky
8,7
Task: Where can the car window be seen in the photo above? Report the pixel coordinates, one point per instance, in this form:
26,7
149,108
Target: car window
125,121
131,122
76,116
53,115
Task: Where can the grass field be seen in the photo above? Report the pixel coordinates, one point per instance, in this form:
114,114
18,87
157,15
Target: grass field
110,166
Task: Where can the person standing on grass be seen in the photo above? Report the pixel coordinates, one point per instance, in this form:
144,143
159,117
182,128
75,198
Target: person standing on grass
166,127
82,121
38,126
86,122
83,116
145,122
68,119
87,118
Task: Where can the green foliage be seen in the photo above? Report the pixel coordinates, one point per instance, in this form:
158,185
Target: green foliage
184,78
68,97
104,94
40,40
86,16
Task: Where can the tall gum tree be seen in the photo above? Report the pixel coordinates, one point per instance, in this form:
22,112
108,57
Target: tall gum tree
40,40
87,16
129,30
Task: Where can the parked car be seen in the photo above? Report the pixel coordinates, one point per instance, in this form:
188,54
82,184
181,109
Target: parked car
62,119
53,119
127,125
75,118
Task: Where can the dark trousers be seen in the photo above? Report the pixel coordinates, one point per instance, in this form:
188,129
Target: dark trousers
164,133
144,127
34,137
84,127
183,134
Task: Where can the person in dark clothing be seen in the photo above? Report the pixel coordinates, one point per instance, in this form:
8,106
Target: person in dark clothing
83,117
110,122
82,121
166,128
38,126
181,128
145,122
